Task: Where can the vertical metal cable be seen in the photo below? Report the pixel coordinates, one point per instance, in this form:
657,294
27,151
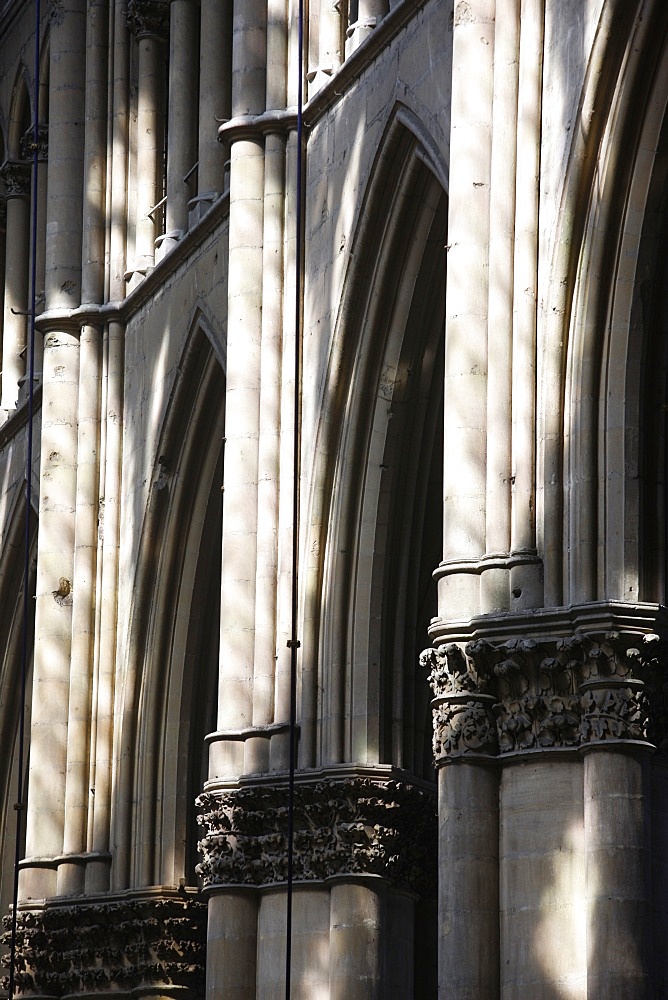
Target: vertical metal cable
294,642
20,804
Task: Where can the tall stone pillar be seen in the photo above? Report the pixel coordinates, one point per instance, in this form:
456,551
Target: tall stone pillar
58,456
182,121
233,750
244,338
28,144
215,97
326,50
149,21
568,719
16,177
467,302
364,854
369,14
465,744
616,821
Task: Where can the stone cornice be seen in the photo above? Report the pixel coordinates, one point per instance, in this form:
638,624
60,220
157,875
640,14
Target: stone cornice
595,616
121,311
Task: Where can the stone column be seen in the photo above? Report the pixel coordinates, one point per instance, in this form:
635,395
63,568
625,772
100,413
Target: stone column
150,23
495,583
97,875
119,114
325,55
58,453
78,794
215,96
468,812
242,407
53,610
614,727
28,144
231,946
467,298
95,152
369,14
16,177
526,580
355,932
364,852
182,121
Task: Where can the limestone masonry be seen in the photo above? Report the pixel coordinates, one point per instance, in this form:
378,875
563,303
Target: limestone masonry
478,301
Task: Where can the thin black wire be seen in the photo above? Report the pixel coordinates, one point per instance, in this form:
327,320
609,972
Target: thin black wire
20,804
294,642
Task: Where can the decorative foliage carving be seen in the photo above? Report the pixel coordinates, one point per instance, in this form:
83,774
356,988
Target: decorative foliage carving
28,143
462,727
451,671
619,713
549,692
341,827
16,177
57,12
63,950
148,17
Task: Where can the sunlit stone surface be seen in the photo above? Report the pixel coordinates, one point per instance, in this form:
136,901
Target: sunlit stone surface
477,303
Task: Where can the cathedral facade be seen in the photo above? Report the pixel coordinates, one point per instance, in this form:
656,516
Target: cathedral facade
333,499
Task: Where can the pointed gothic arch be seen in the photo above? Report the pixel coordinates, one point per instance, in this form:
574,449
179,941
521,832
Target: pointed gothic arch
589,498
166,688
379,434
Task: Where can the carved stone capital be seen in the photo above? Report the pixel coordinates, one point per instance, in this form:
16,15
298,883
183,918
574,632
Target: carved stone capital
463,724
28,143
111,946
16,178
548,693
453,672
352,826
148,17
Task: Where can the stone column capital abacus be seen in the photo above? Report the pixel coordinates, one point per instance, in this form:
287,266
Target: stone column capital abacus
15,175
148,17
548,693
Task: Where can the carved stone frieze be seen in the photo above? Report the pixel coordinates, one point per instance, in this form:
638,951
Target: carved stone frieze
62,950
29,143
16,177
148,17
351,826
548,693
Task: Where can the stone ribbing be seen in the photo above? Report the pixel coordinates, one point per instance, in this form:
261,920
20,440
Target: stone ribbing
342,828
128,944
548,693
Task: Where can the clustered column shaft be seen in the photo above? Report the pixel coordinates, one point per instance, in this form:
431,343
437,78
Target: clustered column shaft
58,463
